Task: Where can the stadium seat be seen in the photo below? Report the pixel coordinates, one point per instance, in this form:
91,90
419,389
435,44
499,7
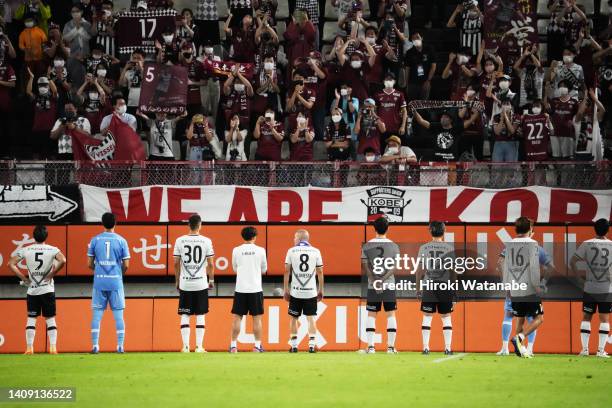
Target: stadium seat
252,150
605,8
119,5
221,30
282,12
281,27
176,149
285,150
222,9
589,6
543,48
319,151
543,9
330,29
331,12
542,26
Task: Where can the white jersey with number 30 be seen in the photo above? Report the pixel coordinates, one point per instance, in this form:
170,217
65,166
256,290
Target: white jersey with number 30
39,261
304,260
194,251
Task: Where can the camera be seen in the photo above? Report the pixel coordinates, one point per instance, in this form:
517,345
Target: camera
70,117
234,154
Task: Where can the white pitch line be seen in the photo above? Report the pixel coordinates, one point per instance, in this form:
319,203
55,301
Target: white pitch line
454,356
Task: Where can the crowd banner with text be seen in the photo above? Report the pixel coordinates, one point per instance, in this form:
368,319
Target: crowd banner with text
139,29
352,204
164,89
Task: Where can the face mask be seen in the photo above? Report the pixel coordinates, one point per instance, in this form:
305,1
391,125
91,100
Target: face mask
268,66
58,63
370,158
96,56
568,59
504,85
101,72
168,38
563,91
586,43
29,24
356,64
389,84
122,109
418,43
536,110
43,90
470,93
472,14
462,59
187,55
93,96
344,92
208,50
489,68
371,40
239,87
393,150
107,13
301,120
269,115
336,118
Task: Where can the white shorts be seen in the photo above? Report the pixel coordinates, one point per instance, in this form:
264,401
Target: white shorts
562,146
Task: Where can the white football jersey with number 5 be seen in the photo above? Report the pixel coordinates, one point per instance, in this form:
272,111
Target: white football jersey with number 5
39,261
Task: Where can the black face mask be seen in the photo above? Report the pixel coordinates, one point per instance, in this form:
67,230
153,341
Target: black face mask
186,55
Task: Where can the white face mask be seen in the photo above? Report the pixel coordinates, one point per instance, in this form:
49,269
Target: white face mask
301,120
58,63
336,118
43,90
168,38
370,158
208,50
268,66
96,56
462,60
470,93
389,84
344,92
504,85
270,115
371,40
489,68
122,109
29,24
393,150
568,59
563,91
107,13
417,43
239,87
536,110
101,72
356,64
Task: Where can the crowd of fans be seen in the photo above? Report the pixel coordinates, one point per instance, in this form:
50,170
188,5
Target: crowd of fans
60,69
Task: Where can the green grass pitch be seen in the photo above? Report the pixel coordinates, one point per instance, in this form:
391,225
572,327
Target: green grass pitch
325,379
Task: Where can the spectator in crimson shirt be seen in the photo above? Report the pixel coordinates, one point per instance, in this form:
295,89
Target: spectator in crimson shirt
355,68
299,36
195,76
243,39
44,100
374,75
269,135
337,137
369,127
300,99
301,139
169,48
315,78
7,84
238,92
461,71
562,110
392,106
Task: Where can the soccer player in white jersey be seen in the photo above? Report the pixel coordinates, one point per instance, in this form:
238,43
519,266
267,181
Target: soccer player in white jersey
383,247
43,262
303,267
194,269
596,255
520,262
249,263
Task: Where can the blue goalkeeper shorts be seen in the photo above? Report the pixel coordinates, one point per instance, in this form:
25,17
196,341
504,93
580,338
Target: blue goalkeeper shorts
101,298
508,305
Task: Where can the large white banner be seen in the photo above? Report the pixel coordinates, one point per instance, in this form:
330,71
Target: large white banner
354,204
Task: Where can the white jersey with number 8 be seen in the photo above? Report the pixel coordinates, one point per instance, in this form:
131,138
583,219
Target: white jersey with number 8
304,260
194,251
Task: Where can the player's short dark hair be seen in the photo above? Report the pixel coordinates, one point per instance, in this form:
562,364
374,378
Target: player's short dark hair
248,233
194,221
108,220
40,233
437,228
602,227
381,225
522,225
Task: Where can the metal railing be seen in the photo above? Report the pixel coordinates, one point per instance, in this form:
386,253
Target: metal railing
579,175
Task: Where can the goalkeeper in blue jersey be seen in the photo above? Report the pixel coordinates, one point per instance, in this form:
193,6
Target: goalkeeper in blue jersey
109,258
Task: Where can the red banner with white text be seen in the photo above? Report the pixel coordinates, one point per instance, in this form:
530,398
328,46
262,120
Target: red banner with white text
353,204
